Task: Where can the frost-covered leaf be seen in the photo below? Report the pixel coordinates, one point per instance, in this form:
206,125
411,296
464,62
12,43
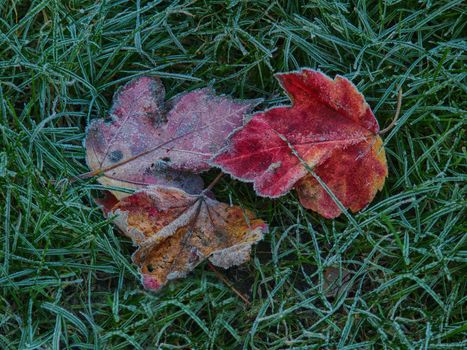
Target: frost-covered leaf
146,141
330,126
175,231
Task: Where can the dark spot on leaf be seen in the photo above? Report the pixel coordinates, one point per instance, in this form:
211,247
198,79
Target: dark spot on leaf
115,156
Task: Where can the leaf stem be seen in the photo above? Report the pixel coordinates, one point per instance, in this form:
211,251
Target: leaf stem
228,284
396,116
213,182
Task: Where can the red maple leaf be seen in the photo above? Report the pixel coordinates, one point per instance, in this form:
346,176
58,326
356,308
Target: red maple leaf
330,127
146,141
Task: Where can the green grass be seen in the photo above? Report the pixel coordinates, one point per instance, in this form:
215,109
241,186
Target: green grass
66,278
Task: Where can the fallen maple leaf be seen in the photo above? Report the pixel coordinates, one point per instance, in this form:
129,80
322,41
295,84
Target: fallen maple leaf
175,231
149,142
330,127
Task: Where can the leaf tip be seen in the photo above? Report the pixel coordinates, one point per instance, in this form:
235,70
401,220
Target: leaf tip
150,283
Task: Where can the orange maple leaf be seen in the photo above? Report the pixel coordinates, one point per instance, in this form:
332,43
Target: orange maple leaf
175,231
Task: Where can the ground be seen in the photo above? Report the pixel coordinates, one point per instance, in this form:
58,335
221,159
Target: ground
66,275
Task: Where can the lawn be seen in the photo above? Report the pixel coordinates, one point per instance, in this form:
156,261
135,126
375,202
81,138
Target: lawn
397,269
